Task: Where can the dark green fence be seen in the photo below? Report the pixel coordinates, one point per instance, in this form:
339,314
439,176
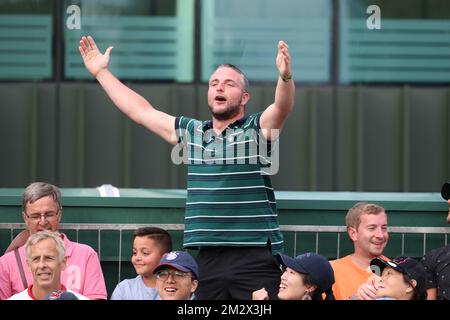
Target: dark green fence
355,138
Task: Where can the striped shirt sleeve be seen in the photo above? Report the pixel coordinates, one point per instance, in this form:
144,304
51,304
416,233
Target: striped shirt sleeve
182,125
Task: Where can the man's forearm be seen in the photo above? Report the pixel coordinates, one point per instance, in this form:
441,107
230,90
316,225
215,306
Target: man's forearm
285,95
127,100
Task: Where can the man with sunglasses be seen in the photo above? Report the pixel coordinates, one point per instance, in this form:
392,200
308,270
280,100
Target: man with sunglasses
176,276
42,210
437,262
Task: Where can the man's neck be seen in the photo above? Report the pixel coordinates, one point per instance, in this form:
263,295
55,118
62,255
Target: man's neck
40,293
361,260
220,125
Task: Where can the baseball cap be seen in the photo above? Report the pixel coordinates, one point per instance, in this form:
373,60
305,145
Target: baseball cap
179,260
445,191
406,265
312,264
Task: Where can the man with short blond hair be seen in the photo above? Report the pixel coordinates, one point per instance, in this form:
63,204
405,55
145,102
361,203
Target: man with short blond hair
231,215
367,228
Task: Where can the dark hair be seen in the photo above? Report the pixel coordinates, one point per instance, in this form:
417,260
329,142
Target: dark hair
317,294
160,236
417,294
232,66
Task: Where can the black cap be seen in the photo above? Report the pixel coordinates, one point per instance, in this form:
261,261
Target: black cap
406,265
445,191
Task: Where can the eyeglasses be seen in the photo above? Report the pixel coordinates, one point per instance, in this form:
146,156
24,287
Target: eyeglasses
46,216
177,275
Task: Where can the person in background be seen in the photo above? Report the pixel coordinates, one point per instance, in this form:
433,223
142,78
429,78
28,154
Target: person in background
437,262
402,278
367,227
149,246
46,259
309,276
177,276
42,210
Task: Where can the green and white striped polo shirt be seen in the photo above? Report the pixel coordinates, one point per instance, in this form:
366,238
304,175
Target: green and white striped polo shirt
230,201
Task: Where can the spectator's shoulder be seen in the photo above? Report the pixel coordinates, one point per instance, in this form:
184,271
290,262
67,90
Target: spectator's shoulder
437,253
7,257
339,261
342,265
82,247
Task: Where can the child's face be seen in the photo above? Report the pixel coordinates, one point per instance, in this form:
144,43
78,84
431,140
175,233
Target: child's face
146,256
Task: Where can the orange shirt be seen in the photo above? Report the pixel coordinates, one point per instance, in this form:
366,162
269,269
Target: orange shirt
348,277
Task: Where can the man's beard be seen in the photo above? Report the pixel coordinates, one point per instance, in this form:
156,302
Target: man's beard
226,114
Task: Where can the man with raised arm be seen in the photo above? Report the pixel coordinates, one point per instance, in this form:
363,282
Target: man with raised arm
231,214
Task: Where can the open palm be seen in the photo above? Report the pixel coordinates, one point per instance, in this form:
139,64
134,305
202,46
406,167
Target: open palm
283,59
93,59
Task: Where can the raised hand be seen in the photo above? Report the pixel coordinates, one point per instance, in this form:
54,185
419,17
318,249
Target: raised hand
93,59
284,60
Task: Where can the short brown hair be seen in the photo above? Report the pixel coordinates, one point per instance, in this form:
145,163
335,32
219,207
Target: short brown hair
353,217
244,77
160,236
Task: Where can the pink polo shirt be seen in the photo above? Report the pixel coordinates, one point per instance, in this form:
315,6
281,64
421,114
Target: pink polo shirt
83,273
